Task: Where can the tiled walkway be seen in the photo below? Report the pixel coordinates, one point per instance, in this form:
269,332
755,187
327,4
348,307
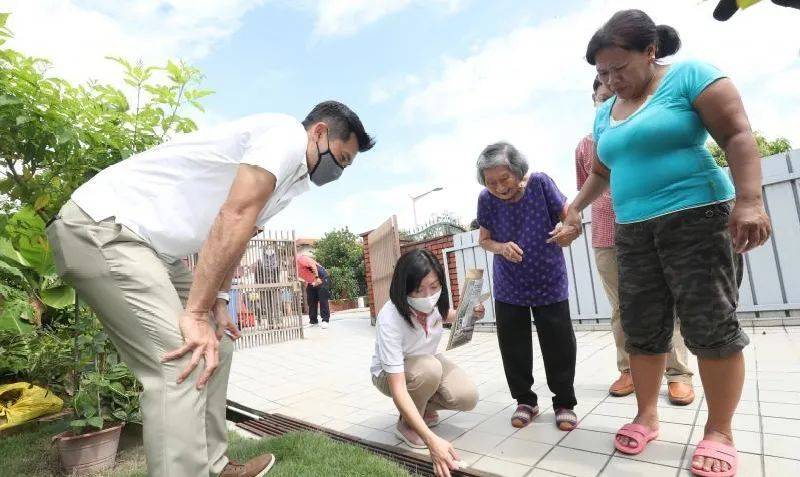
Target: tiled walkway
325,379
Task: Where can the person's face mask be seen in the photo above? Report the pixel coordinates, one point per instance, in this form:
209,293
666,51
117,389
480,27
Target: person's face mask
327,168
425,304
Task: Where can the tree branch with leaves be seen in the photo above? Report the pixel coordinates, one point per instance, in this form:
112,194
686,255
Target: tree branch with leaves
766,148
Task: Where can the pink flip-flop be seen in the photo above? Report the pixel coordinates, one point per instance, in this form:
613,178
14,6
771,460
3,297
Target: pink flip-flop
641,434
719,451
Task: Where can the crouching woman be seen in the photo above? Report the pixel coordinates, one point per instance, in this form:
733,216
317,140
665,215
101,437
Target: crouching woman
406,365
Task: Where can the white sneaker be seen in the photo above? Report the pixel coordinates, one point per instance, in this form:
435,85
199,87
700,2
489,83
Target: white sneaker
324,325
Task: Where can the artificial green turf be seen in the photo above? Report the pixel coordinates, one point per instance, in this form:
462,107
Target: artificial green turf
31,453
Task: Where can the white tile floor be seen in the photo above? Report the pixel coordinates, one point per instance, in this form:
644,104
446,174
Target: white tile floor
325,379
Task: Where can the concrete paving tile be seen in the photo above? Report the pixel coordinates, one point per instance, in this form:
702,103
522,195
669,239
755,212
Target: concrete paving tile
478,442
592,441
620,467
501,467
573,462
777,425
498,424
781,446
520,451
779,467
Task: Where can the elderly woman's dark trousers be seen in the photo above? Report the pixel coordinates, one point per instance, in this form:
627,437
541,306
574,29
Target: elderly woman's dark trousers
556,340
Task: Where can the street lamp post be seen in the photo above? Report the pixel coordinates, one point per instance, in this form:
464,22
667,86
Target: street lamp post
414,202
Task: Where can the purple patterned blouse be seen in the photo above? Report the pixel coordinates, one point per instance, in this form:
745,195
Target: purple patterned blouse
541,278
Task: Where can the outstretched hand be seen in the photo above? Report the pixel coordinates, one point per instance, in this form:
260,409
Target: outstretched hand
443,456
568,230
511,252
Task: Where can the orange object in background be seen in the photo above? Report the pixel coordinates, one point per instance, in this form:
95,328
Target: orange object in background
247,319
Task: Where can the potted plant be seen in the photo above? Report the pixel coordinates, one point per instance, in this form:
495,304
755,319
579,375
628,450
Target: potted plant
107,397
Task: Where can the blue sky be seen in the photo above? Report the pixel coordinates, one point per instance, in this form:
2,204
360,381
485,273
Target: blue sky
277,62
434,80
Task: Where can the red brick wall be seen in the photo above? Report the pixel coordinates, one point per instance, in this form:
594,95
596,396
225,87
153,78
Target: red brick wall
370,295
435,245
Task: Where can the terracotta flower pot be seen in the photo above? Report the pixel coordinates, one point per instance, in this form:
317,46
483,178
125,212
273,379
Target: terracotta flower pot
87,453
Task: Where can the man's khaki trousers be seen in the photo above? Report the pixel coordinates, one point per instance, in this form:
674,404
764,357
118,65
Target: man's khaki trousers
138,298
678,370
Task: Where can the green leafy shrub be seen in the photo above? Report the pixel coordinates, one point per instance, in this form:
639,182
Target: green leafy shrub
765,148
343,283
342,254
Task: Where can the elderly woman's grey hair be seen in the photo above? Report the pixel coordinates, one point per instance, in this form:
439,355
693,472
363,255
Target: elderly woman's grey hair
501,154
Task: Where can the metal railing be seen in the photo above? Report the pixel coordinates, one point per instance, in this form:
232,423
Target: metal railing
266,296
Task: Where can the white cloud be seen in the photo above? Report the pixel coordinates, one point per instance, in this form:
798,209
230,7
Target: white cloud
345,17
387,89
508,72
359,211
77,35
531,87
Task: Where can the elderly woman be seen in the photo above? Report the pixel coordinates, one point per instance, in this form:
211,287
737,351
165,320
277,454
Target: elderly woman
680,234
406,365
516,213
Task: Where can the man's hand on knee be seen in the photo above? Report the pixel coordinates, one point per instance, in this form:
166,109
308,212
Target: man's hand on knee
199,339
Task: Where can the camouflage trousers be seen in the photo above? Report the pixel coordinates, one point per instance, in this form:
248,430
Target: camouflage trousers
683,263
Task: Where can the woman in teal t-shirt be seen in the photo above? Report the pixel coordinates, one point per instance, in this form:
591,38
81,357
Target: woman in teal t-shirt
679,233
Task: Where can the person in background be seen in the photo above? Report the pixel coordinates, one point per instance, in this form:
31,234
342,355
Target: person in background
318,289
287,292
406,365
516,212
682,225
265,271
678,374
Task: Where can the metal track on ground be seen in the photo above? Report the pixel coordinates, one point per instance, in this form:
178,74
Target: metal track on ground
274,425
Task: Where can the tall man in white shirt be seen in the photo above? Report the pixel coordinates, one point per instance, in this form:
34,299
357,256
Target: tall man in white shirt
120,239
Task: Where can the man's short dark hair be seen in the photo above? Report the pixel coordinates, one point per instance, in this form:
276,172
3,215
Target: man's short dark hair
341,121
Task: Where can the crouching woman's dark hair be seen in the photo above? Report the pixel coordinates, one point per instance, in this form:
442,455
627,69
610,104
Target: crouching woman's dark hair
411,268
